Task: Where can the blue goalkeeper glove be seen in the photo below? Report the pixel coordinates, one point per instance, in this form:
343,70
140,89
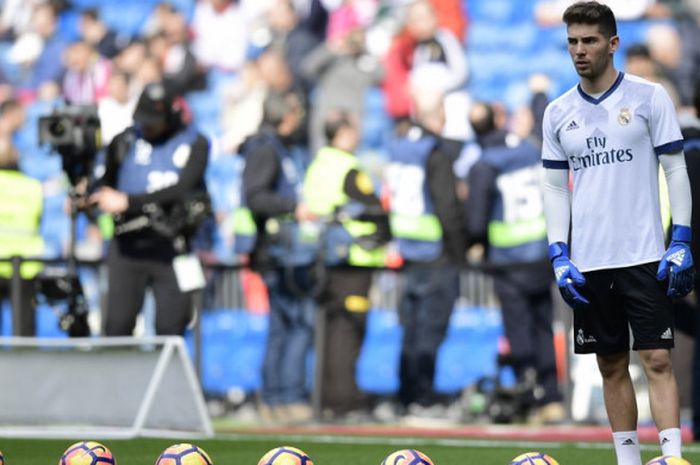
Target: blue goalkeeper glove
568,276
677,263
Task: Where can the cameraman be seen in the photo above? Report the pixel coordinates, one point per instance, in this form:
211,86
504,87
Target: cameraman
152,168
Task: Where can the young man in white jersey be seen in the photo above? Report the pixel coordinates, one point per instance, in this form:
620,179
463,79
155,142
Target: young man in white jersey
610,132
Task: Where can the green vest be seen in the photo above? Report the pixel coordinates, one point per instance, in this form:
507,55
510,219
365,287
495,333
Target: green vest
21,201
324,192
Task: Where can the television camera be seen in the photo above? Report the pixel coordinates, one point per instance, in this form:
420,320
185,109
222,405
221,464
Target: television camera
73,131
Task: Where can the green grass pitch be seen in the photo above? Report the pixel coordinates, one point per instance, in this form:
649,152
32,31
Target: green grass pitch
331,450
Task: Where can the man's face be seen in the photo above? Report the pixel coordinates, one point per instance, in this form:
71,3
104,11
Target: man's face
591,52
154,131
421,21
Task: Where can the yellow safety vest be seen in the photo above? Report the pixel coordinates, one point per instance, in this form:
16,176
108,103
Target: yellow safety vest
21,203
324,192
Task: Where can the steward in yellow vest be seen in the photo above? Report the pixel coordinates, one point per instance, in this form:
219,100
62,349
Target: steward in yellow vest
21,205
333,181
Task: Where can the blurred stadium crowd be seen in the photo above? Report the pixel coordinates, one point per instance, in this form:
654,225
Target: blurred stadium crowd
365,56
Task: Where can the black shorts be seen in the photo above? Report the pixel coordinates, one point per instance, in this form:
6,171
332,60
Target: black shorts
620,299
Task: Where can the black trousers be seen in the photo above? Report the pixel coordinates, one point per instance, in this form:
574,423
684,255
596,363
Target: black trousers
344,306
424,311
527,308
129,277
27,305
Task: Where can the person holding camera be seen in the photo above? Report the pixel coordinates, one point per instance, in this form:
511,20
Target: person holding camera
272,183
153,175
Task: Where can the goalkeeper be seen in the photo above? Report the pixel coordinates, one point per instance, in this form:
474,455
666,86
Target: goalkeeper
611,132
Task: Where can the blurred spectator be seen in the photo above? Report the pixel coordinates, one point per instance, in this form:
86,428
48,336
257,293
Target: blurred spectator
688,23
129,60
150,70
155,23
451,15
220,29
506,215
242,107
349,15
638,61
95,32
16,17
170,48
344,73
116,108
39,51
432,59
12,118
87,74
676,63
290,37
313,15
427,221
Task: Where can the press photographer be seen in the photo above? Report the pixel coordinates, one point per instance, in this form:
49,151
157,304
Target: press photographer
153,185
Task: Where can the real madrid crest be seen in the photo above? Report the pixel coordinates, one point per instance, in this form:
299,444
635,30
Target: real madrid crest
624,117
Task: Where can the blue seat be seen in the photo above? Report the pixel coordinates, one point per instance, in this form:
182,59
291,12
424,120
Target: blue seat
378,364
46,321
68,25
469,350
233,350
126,17
500,11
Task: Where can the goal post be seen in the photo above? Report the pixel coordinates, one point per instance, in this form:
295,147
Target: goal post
115,387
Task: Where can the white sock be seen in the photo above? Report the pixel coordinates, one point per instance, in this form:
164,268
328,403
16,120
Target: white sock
627,448
670,440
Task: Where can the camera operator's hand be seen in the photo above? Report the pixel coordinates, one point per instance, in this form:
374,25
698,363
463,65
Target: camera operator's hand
110,200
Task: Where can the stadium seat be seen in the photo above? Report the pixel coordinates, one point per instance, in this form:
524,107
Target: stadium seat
376,123
470,349
126,17
68,25
500,11
378,364
84,4
233,353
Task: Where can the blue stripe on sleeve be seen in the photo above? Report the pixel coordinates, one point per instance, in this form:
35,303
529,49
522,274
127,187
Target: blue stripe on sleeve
671,147
556,164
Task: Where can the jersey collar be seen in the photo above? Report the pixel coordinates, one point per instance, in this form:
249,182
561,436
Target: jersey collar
596,101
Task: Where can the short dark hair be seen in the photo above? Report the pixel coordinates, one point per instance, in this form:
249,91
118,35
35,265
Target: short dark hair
638,51
278,104
592,13
9,105
334,122
91,13
485,122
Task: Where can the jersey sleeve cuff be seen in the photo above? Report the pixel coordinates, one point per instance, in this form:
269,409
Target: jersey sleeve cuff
670,147
556,164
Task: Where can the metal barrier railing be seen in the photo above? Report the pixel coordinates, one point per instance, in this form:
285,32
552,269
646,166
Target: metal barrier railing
225,290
